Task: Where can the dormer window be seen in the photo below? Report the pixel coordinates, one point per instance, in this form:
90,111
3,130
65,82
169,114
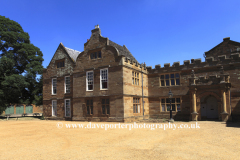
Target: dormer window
96,55
60,64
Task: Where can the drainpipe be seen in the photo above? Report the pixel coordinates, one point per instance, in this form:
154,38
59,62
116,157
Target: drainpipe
142,92
230,105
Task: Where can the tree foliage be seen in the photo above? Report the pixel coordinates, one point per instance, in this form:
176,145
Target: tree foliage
20,66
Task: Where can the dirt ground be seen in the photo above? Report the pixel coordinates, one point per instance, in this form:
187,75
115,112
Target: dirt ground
47,140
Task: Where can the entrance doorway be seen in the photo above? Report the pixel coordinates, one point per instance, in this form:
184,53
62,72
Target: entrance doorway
209,108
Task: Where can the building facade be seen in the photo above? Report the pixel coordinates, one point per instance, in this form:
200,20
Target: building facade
106,83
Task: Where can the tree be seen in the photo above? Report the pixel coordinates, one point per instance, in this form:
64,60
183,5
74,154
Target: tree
20,65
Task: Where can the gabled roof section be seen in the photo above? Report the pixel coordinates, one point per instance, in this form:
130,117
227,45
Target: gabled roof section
123,50
72,53
227,39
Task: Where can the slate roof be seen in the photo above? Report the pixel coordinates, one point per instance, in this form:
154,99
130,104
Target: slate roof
72,53
123,50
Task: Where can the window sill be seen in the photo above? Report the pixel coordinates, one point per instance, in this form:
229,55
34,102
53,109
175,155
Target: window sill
54,94
171,86
103,89
89,90
67,93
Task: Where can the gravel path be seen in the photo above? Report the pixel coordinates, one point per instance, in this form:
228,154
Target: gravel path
47,140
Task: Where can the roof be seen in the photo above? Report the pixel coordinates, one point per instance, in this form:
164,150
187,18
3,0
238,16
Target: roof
72,53
123,50
226,40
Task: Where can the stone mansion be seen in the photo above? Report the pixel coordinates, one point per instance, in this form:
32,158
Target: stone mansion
106,83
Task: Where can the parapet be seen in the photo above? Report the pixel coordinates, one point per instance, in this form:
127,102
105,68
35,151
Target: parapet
131,63
195,63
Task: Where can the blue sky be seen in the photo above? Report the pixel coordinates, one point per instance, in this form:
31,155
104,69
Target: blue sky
155,31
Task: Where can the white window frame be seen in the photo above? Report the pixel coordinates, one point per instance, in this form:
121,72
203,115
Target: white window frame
65,85
53,107
87,80
66,107
52,86
102,79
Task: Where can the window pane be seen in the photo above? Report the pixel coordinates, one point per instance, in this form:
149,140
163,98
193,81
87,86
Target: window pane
173,100
177,82
87,102
167,82
99,54
163,100
133,80
67,83
163,107
138,100
167,100
172,82
63,63
162,83
91,109
178,107
68,109
103,101
167,76
103,109
91,55
133,74
134,108
173,107
172,75
138,75
133,100
178,100
137,81
54,85
107,101
104,78
162,77
104,85
90,87
58,65
88,112
108,109
54,105
168,107
95,55
91,102
177,75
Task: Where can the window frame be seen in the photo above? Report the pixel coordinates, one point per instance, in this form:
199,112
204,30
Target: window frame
65,85
53,86
53,107
90,106
166,104
135,78
60,63
95,55
169,79
88,80
105,106
136,106
66,107
102,79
